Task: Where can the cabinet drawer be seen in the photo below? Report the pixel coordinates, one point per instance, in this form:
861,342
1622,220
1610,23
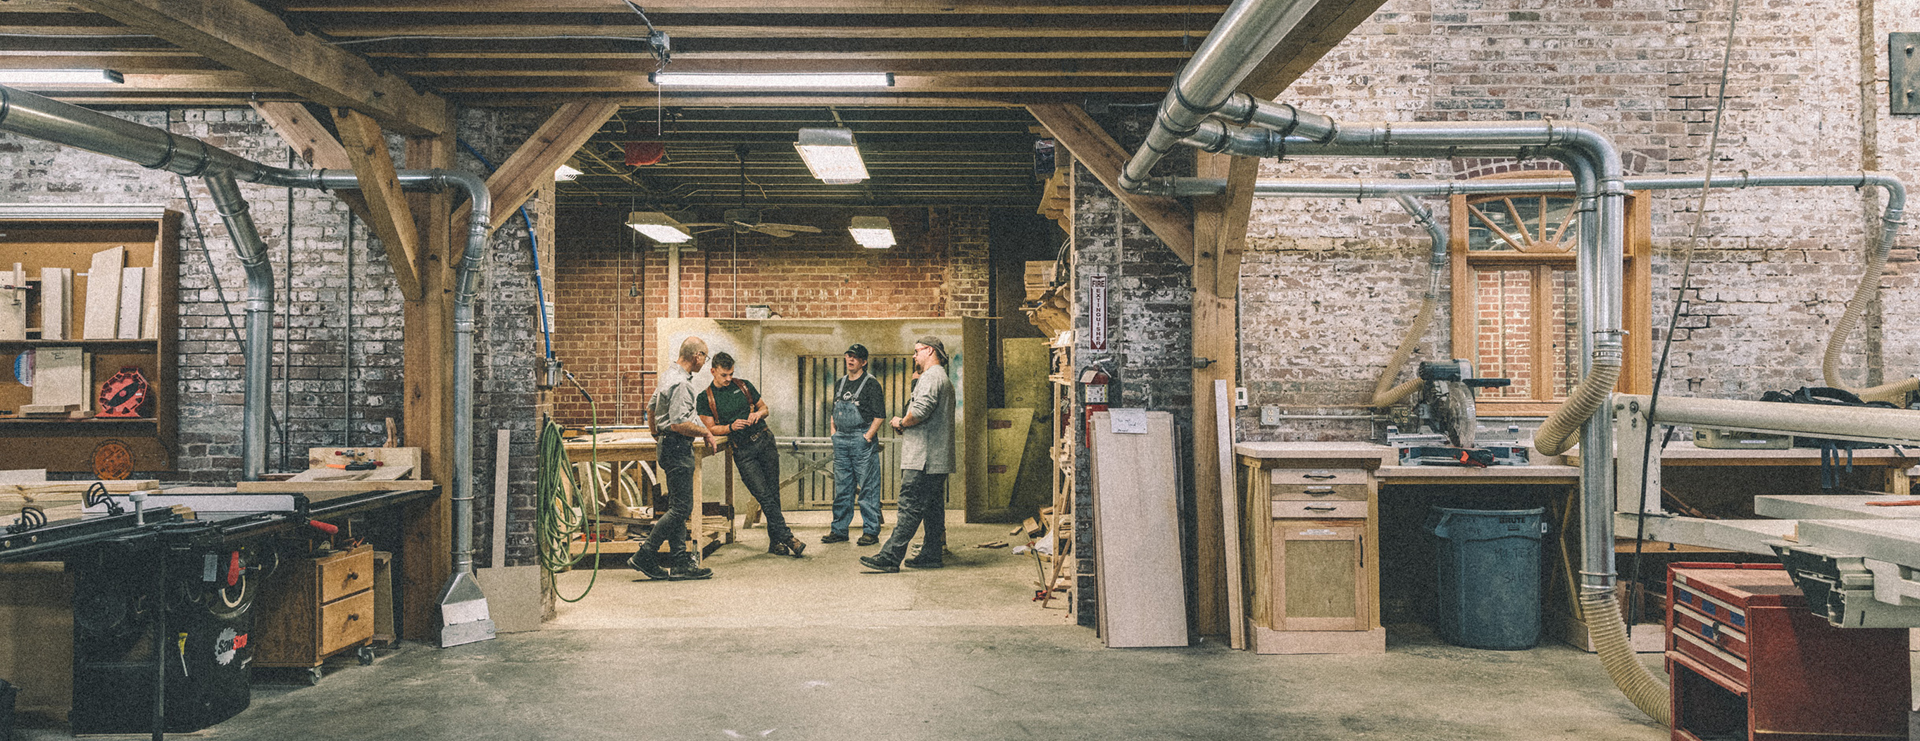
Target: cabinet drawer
346,622
1331,509
345,574
1316,492
1318,476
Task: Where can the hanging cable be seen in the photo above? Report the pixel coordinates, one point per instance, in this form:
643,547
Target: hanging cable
533,245
562,516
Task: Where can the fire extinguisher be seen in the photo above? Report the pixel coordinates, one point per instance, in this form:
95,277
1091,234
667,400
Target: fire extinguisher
1095,387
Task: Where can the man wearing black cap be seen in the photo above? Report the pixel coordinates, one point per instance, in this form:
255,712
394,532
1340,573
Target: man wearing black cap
859,404
926,457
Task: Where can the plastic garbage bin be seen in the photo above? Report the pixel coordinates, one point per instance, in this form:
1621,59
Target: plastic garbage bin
7,693
1488,576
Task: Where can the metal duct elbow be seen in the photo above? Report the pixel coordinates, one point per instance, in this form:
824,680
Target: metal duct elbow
258,349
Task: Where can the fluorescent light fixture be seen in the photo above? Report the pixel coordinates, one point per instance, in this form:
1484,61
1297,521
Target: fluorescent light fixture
872,232
831,155
59,76
565,174
771,79
658,227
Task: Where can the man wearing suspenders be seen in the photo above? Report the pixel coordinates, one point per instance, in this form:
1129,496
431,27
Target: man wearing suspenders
675,426
733,407
859,404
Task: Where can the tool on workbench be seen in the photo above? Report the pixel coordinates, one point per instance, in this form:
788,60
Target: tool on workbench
1446,431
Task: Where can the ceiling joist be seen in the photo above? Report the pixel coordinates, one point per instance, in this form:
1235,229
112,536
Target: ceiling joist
1093,148
392,218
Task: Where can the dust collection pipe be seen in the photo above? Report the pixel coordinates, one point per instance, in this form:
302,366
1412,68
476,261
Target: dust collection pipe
1864,293
1385,394
43,118
1601,204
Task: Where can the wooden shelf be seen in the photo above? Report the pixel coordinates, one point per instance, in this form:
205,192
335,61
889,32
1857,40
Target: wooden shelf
147,344
147,422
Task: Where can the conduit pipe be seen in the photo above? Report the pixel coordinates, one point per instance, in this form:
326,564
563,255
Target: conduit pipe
1246,33
43,118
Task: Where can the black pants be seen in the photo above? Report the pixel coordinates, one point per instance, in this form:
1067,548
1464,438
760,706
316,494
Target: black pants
676,464
759,463
923,498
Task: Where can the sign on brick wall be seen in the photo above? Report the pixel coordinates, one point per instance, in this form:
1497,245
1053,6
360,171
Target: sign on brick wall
1097,311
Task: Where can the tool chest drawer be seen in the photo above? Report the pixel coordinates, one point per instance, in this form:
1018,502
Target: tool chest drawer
1750,661
1286,510
1313,492
312,608
345,574
1317,476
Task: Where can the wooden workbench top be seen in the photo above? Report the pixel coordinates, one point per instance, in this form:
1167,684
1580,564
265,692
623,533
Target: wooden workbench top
1545,470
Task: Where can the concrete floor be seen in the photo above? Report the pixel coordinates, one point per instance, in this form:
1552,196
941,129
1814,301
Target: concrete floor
815,649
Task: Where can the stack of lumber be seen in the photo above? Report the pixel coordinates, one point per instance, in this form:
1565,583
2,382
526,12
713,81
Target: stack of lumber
24,488
395,469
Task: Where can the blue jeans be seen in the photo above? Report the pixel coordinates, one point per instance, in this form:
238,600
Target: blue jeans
923,498
856,476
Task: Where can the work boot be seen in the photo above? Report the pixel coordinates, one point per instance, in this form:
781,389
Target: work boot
685,569
778,549
836,538
874,562
795,547
647,562
865,539
923,563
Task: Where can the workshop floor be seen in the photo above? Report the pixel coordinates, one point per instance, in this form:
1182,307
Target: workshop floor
815,649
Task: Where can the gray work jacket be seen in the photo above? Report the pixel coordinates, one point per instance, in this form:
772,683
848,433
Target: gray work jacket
927,447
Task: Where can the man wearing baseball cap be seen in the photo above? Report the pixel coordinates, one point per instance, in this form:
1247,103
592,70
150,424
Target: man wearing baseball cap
859,406
926,458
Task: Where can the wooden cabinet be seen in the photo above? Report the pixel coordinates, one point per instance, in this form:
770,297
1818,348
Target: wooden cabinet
46,241
315,608
1311,534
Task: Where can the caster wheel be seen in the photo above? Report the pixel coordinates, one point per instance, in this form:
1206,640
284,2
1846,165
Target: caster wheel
366,655
313,676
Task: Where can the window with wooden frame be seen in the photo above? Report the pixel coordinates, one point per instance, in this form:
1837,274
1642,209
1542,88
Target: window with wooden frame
1516,297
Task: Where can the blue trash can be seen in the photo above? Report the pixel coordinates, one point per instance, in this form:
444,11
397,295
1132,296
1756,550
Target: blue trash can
1488,576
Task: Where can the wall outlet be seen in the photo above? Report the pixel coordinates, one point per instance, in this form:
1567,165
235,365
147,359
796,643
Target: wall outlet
1240,397
1270,416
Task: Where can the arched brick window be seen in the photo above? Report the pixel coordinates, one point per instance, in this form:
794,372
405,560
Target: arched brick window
1515,296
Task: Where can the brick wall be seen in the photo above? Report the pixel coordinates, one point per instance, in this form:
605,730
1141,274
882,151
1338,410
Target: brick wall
1329,286
338,355
611,287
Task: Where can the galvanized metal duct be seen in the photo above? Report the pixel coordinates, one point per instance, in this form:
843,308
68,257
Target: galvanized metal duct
1246,33
49,120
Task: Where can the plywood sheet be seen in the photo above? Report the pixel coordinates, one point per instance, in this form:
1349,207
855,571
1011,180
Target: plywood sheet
150,306
323,457
56,303
103,295
1142,588
133,291
58,379
13,304
1007,434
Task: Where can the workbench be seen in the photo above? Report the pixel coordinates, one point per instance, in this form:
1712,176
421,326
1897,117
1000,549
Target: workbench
639,446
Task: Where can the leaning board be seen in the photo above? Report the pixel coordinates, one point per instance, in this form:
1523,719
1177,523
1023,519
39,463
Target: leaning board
1139,580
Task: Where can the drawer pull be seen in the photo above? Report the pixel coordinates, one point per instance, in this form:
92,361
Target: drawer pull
1318,476
1318,490
1319,507
352,575
353,616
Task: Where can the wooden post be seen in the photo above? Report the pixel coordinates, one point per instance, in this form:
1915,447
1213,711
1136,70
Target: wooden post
428,404
1220,227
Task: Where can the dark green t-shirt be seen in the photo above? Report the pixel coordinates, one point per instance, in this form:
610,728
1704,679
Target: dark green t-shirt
736,402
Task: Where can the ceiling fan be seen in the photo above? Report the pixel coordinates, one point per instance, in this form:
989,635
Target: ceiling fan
744,219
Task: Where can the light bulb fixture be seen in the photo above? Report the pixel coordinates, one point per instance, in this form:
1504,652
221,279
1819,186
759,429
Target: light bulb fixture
771,79
658,227
565,174
60,76
831,155
872,232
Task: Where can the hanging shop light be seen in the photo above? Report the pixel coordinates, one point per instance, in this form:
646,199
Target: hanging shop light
831,155
658,227
872,232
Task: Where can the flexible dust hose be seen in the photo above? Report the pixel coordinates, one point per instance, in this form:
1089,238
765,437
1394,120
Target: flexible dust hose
1562,429
1385,394
1608,632
1865,294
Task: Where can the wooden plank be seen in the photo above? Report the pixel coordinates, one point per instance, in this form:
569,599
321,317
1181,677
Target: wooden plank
103,294
133,298
56,303
328,487
322,457
1142,589
246,37
57,376
1324,25
503,446
1092,147
1229,513
150,306
13,304
390,217
1219,225
532,165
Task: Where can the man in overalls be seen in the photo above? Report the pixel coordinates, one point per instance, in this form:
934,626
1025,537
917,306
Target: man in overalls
674,428
859,404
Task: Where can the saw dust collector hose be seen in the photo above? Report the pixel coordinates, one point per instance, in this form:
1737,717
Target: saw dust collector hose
1385,394
1562,430
1607,630
1865,294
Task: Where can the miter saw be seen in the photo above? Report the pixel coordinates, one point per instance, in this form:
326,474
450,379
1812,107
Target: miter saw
1446,431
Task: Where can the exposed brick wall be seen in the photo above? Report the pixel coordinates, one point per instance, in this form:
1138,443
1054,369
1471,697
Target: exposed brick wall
315,314
611,287
1329,286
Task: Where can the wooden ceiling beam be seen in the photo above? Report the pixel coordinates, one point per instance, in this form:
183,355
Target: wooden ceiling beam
1323,28
534,162
976,52
943,7
391,218
1220,223
309,138
902,83
1092,147
1065,27
245,37
624,68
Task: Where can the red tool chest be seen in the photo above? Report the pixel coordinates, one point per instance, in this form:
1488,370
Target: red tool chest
1749,661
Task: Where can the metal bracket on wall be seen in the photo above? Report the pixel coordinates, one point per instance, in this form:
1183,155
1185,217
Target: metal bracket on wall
1903,73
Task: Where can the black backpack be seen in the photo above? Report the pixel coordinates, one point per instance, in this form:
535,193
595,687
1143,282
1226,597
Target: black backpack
1829,449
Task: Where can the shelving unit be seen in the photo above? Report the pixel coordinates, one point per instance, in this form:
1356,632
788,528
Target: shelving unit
1061,453
68,237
